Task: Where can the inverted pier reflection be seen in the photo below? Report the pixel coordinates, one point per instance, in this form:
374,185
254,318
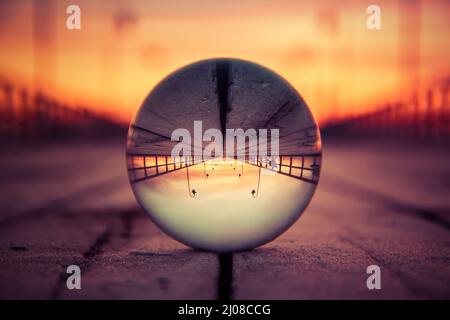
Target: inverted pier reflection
304,167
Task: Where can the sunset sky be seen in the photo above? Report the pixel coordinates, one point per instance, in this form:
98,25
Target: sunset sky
223,216
323,48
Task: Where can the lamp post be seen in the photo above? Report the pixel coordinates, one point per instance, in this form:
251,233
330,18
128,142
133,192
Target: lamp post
192,192
205,175
256,192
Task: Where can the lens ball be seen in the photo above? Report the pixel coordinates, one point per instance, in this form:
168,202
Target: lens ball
224,155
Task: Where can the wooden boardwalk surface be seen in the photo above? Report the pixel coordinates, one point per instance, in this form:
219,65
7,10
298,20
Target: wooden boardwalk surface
383,205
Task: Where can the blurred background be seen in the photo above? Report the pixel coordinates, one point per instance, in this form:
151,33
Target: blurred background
393,78
380,98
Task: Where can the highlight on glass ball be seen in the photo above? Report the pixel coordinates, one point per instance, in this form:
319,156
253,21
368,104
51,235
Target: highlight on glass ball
224,155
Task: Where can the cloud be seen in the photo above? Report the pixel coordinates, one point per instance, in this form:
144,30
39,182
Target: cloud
124,18
327,20
154,55
299,56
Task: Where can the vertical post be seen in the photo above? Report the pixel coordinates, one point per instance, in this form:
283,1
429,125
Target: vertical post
416,124
290,165
9,104
24,112
303,164
145,166
133,174
444,111
429,124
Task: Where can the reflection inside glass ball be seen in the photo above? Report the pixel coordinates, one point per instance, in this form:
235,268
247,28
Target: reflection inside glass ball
208,197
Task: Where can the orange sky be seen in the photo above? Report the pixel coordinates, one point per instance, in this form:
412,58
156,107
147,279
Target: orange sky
322,47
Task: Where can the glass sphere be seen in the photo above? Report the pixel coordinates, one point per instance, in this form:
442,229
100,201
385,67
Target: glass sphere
229,195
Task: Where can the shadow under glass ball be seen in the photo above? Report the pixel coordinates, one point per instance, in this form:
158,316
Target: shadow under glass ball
224,204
